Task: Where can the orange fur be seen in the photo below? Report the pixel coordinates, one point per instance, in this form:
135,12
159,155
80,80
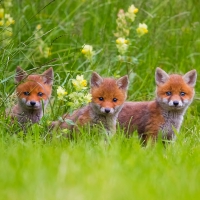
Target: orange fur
108,96
174,94
108,90
31,91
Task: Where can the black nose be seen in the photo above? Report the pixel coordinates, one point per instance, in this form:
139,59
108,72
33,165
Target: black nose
175,103
32,103
107,110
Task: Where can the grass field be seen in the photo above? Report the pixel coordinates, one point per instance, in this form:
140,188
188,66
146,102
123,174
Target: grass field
52,33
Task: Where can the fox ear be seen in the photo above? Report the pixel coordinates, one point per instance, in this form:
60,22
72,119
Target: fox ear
96,80
48,76
161,76
20,74
123,82
190,77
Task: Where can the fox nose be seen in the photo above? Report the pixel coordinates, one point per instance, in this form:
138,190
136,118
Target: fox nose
32,103
175,103
107,110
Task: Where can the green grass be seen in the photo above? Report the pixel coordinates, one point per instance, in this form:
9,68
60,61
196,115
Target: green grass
40,166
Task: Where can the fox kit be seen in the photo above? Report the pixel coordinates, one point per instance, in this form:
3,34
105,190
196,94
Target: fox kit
33,92
174,93
108,96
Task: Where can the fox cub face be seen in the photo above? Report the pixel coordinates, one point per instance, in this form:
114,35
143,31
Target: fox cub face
108,95
175,92
33,89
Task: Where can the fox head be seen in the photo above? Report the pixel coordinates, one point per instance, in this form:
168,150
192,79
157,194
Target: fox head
108,94
33,90
175,92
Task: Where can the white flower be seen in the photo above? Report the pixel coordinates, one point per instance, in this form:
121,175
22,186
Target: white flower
7,16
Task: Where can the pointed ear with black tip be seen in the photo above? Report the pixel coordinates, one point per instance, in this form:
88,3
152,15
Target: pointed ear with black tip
161,76
48,76
96,80
20,75
123,82
190,77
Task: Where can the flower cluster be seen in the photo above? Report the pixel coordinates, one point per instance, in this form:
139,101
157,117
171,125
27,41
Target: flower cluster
6,21
78,97
124,23
39,44
87,51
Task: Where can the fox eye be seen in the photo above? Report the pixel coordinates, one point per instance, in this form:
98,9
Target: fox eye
27,93
114,99
168,93
101,98
40,94
182,94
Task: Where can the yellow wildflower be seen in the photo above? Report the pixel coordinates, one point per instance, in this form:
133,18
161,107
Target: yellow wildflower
38,27
87,50
142,29
135,10
76,100
122,45
61,93
10,21
1,13
84,83
132,10
88,98
79,83
121,41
